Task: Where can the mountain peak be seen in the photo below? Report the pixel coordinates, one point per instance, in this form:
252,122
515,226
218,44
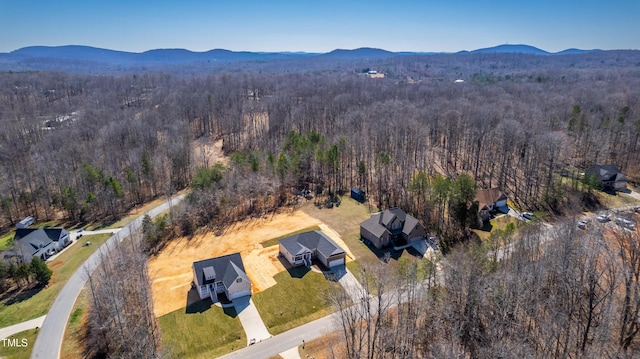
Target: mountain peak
511,48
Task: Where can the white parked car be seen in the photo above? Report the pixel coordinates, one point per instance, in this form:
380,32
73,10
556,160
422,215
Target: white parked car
527,215
603,218
625,223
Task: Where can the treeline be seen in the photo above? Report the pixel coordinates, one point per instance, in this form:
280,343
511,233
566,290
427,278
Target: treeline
558,294
24,274
90,147
121,322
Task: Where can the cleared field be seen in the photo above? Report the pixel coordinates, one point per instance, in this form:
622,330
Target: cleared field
170,271
326,347
276,240
345,221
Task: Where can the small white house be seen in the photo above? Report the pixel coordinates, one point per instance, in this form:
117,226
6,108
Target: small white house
301,248
40,242
221,277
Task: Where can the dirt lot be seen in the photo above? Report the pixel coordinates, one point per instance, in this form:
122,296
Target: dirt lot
171,274
207,151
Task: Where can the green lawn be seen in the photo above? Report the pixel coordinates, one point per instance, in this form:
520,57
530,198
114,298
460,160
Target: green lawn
26,338
618,199
274,241
63,267
6,240
207,333
345,219
499,223
299,297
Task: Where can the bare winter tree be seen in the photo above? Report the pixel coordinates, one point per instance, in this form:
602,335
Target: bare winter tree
121,319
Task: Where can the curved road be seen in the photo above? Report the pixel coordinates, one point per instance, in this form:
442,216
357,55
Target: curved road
55,323
49,340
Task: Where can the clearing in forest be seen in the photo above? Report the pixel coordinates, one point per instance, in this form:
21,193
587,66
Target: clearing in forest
171,272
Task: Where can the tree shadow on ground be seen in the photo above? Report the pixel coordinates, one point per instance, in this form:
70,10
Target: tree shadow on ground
486,226
18,294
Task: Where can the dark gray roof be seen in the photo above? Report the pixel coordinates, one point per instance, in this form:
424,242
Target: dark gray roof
389,215
232,273
311,241
220,266
606,173
378,223
373,225
409,224
32,239
40,234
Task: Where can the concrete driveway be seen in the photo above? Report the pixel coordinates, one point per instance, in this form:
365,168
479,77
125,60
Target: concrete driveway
251,321
348,282
21,327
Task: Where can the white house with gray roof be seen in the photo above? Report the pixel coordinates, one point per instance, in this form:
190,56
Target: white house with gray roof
39,242
302,248
221,277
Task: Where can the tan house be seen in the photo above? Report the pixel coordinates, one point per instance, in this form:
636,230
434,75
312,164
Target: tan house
488,200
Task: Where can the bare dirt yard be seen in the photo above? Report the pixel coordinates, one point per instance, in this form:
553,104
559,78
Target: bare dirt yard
170,271
206,151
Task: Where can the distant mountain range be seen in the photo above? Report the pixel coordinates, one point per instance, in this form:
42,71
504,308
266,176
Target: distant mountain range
525,49
87,53
81,58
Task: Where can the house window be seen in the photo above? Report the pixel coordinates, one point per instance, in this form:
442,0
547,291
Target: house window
238,280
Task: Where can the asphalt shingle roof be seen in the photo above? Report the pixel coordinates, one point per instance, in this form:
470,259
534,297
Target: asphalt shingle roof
38,237
607,172
372,224
223,268
488,196
311,241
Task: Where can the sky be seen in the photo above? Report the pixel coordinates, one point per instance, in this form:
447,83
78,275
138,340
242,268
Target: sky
321,25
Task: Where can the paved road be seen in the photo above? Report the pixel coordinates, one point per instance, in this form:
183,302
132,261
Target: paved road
53,328
49,340
291,339
287,340
21,327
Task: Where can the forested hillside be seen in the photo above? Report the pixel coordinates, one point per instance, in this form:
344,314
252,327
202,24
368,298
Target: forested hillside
89,147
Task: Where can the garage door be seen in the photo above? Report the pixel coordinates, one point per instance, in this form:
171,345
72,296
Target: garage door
240,294
336,262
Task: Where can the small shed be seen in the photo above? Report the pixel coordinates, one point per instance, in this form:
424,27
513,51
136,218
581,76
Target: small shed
357,194
26,222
